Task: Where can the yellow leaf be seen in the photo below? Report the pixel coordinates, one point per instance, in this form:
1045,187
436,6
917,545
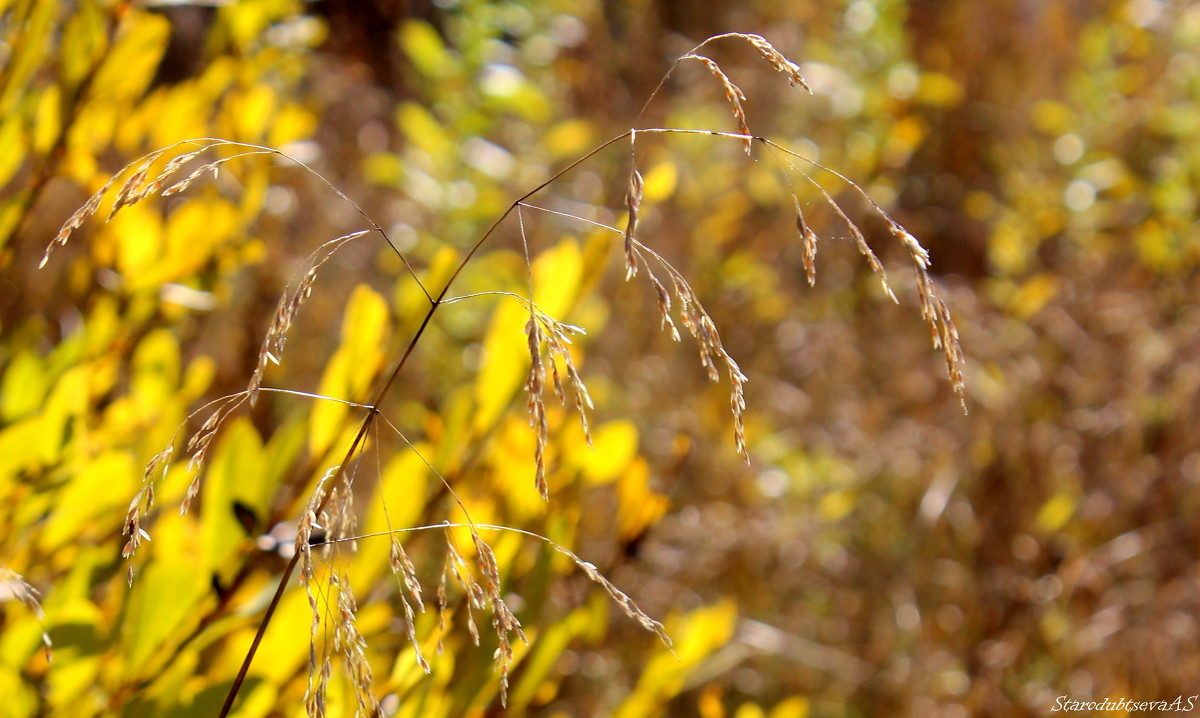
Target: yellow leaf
1055,513
21,446
710,705
102,487
166,593
234,474
48,121
291,123
20,696
697,636
84,38
638,505
659,182
28,51
836,504
794,707
425,49
253,109
538,677
131,63
939,89
422,129
138,233
348,374
24,386
156,369
327,416
569,138
614,446
12,147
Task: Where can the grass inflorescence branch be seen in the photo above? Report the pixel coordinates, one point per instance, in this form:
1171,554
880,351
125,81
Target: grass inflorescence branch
329,508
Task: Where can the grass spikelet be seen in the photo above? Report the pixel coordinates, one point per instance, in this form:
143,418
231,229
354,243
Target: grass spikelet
633,202
702,328
214,167
133,188
558,338
341,518
627,604
542,328
143,501
168,171
663,298
733,93
942,331
406,577
503,620
186,182
455,567
859,239
289,306
314,698
15,585
777,60
809,238
537,407
918,253
200,442
75,221
349,641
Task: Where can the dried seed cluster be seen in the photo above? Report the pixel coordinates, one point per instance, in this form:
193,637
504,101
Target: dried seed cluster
698,322
542,329
289,307
135,188
16,586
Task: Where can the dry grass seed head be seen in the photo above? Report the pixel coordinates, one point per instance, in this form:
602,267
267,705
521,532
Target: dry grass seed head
537,408
859,240
542,328
627,604
406,576
289,306
200,442
777,60
733,93
314,699
186,182
350,642
455,567
809,238
504,621
633,202
701,326
132,191
75,221
664,305
15,585
558,340
143,500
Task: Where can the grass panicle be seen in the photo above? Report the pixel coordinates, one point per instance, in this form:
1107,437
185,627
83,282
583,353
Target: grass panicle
733,93
14,585
289,306
328,518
